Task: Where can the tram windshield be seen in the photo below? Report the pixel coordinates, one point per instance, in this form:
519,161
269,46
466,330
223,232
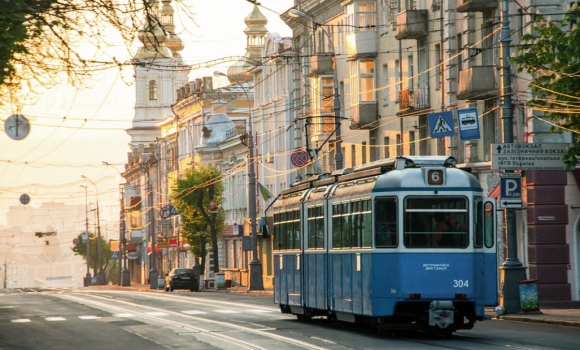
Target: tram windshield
441,222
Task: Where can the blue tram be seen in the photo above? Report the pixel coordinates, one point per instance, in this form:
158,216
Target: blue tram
405,243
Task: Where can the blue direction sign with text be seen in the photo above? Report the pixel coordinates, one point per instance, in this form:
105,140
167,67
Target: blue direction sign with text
468,124
510,187
441,124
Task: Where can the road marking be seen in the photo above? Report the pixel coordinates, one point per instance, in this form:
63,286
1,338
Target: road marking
52,319
193,312
227,311
258,311
156,313
20,320
123,315
88,317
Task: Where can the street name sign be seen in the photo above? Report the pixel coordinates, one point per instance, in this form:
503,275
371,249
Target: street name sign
528,156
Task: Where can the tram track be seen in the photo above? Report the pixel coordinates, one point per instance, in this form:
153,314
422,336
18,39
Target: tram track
130,308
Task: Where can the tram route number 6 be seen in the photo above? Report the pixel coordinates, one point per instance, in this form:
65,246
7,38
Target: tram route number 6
435,177
460,283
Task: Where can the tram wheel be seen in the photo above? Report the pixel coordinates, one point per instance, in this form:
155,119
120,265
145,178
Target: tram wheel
303,318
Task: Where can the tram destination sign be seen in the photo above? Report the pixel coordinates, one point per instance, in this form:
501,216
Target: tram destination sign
528,156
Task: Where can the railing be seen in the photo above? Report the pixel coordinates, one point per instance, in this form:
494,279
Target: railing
415,98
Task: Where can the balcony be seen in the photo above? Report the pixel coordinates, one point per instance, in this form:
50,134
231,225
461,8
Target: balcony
362,44
364,116
412,24
477,83
477,5
414,99
321,63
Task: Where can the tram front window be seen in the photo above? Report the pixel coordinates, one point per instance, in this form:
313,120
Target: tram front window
441,222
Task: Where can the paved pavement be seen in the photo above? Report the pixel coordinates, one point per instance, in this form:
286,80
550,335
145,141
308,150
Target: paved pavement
558,313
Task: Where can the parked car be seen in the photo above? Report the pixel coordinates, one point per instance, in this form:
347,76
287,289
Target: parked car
180,278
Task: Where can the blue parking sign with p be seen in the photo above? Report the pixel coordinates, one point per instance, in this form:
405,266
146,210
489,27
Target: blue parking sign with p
511,187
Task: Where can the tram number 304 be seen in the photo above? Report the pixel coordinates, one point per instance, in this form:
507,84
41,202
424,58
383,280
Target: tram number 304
460,283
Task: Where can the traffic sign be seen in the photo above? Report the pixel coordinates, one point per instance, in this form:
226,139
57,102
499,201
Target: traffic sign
441,124
116,255
165,212
468,123
164,222
528,156
299,158
510,187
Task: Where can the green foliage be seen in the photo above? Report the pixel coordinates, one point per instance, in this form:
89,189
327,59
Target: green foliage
201,222
551,54
109,265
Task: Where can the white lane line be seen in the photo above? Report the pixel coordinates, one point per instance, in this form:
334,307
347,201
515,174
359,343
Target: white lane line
20,320
193,312
89,317
259,311
8,307
123,315
156,313
53,319
227,311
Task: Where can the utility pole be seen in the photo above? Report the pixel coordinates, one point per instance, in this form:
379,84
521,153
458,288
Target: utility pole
88,278
512,271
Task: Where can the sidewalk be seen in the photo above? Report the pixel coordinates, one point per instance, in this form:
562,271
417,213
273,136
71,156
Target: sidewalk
557,313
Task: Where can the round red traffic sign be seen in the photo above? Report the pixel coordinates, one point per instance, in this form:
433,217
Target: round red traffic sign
299,158
165,212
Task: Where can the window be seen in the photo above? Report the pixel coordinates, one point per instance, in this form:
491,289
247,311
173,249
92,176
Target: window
385,7
361,16
367,15
351,224
322,102
459,50
399,145
438,76
385,88
362,80
397,79
152,90
352,155
387,143
441,222
412,143
410,72
385,222
316,227
364,153
287,230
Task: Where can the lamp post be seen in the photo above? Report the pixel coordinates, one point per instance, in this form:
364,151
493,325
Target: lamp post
512,270
5,266
88,278
100,273
125,275
255,264
153,273
338,156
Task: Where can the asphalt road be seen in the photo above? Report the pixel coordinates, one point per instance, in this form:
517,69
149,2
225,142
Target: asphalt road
127,320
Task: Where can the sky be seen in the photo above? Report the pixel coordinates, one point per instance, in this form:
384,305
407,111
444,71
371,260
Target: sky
74,131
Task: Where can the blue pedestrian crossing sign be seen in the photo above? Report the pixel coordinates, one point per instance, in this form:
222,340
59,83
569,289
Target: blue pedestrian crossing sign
441,124
116,255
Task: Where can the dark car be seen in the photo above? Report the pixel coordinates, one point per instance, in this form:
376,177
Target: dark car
180,278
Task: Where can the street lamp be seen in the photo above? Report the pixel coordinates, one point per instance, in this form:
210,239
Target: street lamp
338,157
88,278
255,264
125,275
100,273
5,266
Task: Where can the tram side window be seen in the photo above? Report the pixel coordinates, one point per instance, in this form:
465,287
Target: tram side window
385,222
287,230
316,227
478,224
342,226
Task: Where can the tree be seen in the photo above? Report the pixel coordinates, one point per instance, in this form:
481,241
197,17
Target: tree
45,41
110,266
551,55
198,197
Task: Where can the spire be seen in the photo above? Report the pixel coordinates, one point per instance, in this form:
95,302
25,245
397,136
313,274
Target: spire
174,42
256,33
153,37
